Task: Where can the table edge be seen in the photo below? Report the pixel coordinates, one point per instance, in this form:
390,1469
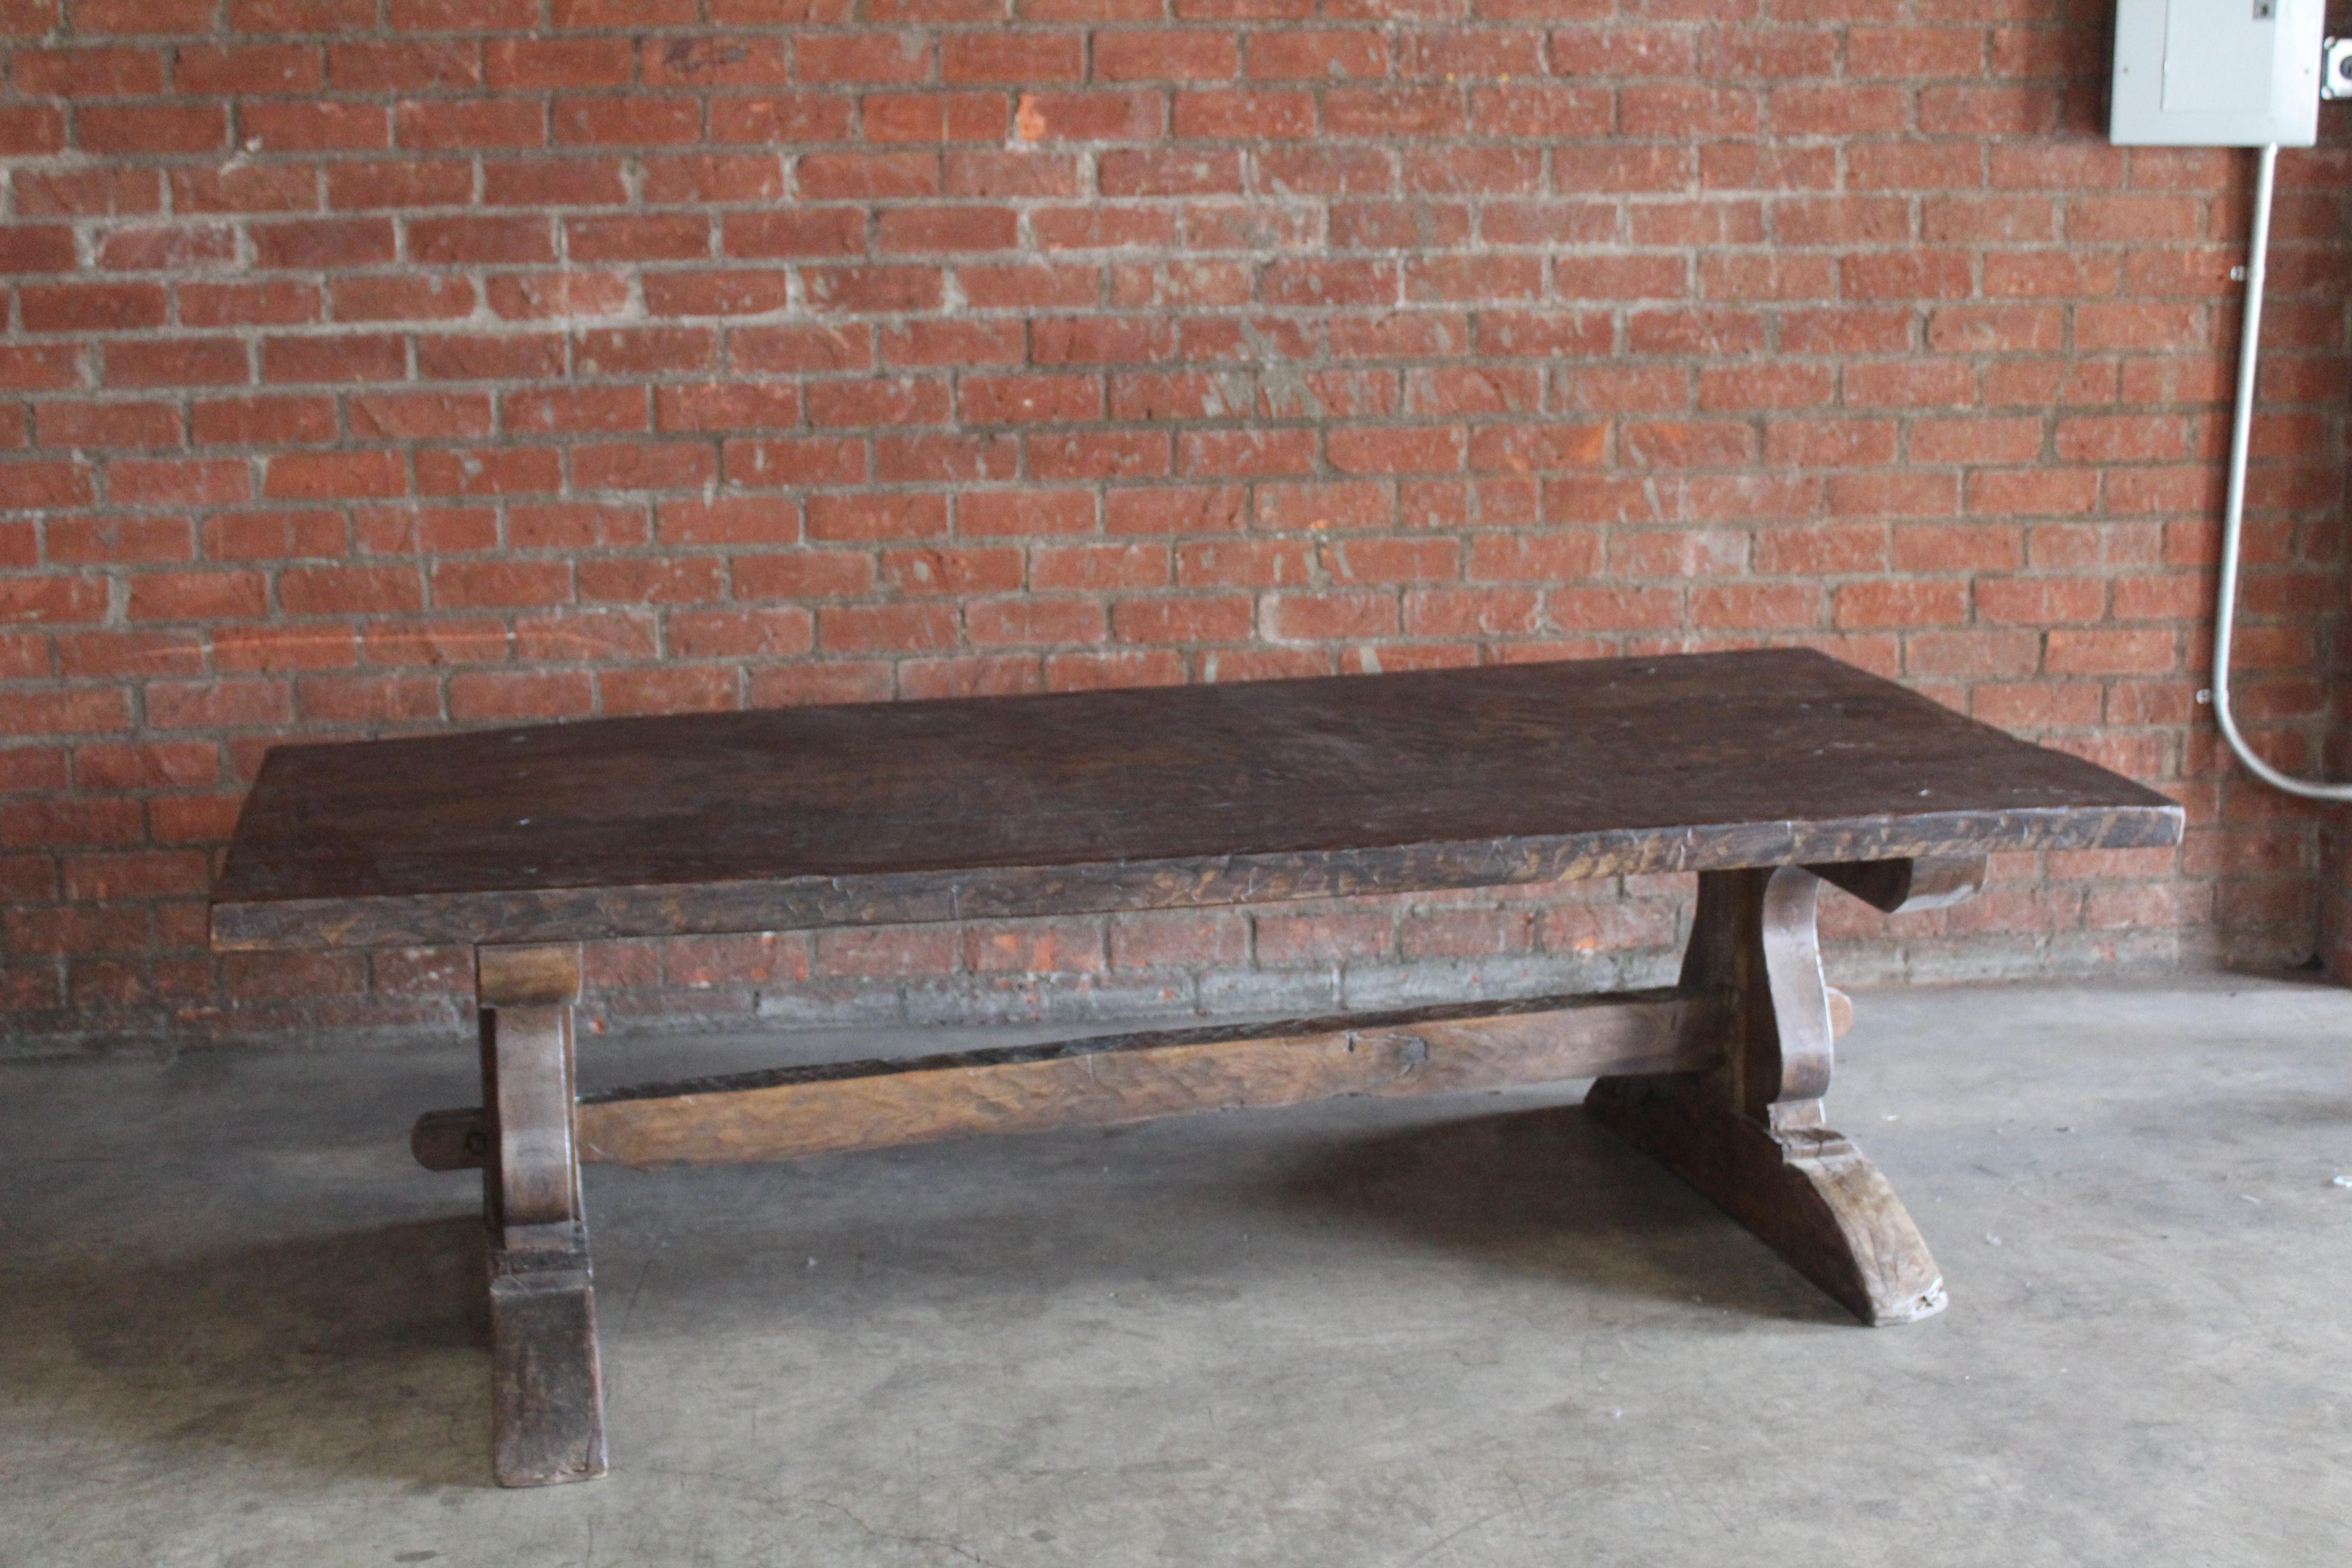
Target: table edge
914,898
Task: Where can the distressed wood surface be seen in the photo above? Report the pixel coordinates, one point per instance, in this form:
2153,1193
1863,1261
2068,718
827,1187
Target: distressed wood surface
790,1113
999,808
1807,1193
547,1392
547,1413
1750,1133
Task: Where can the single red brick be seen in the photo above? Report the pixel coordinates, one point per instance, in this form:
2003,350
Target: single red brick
975,676
554,182
800,117
737,62
646,351
1318,54
513,65
942,117
1088,116
105,192
146,765
273,535
941,228
178,482
324,243
1328,616
1034,622
665,237
214,704
879,954
533,296
872,288
489,472
603,409
406,65
634,121
1030,287
1154,56
108,540
763,464
103,71
36,486
694,579
469,123
727,406
734,292
1021,399
262,422
31,130
90,306
313,127
1031,512
877,517
354,358
47,248
350,591
401,297
945,459
884,628
645,466
498,241
1022,58
488,696
802,575
277,303
807,231
934,344
198,596
782,632
1096,454
300,476
102,424
148,128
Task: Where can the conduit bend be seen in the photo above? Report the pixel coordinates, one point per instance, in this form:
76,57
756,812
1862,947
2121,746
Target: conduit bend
2233,512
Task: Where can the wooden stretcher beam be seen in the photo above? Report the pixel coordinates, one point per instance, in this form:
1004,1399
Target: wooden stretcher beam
791,1112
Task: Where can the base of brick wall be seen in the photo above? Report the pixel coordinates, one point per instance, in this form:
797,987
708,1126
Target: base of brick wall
1085,1000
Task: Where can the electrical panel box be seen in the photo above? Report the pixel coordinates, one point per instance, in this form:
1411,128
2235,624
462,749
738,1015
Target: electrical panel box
2217,73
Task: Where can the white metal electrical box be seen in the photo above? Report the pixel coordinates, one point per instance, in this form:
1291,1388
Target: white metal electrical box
2217,73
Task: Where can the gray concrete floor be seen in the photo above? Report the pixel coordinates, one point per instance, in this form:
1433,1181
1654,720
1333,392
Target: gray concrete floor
237,1327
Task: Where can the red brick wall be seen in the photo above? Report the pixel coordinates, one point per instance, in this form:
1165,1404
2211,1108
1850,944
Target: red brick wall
377,364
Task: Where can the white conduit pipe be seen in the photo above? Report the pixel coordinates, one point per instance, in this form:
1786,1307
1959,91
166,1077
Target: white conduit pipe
2233,512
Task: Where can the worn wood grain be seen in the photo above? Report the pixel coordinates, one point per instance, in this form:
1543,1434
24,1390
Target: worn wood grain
1751,1133
543,976
547,1396
787,1113
1807,1193
1000,807
547,1421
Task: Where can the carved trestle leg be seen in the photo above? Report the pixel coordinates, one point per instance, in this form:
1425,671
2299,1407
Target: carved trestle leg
547,1407
1749,1134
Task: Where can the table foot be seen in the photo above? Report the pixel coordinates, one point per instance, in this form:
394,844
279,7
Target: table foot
1809,1194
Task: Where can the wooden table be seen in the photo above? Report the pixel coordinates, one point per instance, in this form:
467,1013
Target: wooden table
1765,773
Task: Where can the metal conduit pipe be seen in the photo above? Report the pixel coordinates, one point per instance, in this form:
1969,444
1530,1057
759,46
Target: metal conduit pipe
2233,513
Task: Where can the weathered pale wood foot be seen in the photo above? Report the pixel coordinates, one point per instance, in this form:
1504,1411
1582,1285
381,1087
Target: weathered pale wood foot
547,1404
1749,1134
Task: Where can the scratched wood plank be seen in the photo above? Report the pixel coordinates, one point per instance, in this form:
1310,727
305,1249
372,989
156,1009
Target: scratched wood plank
791,1112
890,813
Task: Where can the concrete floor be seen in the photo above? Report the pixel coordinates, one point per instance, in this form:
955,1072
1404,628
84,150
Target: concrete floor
237,1326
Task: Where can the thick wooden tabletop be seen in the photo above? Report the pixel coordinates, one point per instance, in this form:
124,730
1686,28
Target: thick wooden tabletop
881,812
